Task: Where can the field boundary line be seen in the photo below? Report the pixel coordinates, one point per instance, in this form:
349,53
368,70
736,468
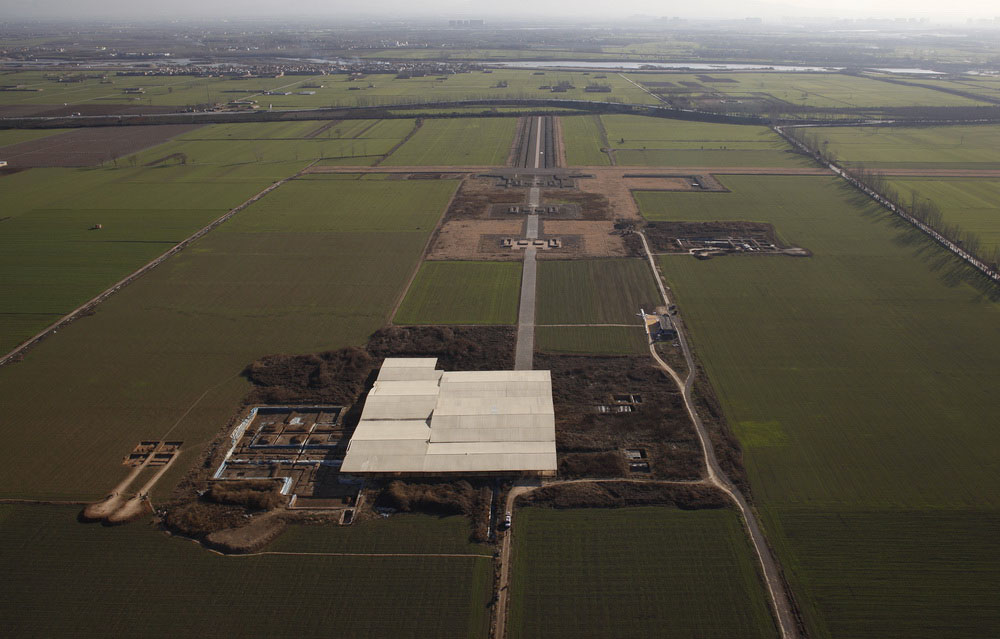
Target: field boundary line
591,325
559,142
419,122
423,256
88,306
604,138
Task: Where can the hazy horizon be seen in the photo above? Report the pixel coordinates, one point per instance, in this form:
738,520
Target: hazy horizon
515,11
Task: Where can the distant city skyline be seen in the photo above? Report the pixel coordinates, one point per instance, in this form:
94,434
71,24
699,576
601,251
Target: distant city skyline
958,11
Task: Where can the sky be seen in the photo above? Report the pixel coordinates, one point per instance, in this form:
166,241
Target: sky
956,10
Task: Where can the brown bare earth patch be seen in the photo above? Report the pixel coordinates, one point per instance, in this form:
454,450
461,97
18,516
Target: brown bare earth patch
463,240
598,239
90,146
475,197
592,205
262,530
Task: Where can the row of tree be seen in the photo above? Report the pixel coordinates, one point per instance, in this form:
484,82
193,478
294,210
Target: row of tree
920,208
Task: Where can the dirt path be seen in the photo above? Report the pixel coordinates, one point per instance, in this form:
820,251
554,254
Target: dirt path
416,127
780,600
89,305
423,256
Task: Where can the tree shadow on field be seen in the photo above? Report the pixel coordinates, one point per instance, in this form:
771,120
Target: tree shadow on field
951,270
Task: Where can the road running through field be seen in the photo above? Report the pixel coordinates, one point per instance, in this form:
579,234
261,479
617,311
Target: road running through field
714,476
524,353
780,600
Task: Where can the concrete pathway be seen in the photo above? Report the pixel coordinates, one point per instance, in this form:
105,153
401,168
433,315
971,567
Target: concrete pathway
525,351
524,354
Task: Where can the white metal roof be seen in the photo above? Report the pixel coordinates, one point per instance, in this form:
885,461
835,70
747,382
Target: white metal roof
421,420
409,362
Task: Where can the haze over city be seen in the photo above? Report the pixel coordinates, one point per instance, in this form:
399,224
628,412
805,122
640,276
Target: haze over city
515,10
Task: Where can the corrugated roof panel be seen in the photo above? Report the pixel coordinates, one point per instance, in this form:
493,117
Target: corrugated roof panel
493,422
496,389
490,448
493,406
539,433
408,374
389,429
380,463
496,376
409,362
399,407
489,463
368,447
409,387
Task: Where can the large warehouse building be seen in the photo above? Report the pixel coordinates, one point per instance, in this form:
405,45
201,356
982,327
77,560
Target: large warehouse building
418,420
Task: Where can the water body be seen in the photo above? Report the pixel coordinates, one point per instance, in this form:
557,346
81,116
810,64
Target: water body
915,71
697,66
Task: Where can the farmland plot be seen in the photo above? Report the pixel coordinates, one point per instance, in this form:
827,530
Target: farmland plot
53,257
635,572
462,293
852,404
458,142
594,291
595,340
950,147
972,203
582,138
101,582
164,355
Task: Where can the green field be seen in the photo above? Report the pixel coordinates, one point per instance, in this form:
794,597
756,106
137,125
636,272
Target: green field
360,142
95,581
462,293
594,291
329,90
635,572
951,147
647,141
582,139
401,533
52,260
165,355
972,203
825,90
710,158
464,142
15,136
857,410
982,86
598,340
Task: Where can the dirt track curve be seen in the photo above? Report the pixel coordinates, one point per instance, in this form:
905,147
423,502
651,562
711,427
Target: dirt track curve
780,601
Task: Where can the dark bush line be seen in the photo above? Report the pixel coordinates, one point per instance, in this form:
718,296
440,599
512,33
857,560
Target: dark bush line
614,494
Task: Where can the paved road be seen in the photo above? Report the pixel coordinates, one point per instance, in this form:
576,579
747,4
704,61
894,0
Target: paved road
524,353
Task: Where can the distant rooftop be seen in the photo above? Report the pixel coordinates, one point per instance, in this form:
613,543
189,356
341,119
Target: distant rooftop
421,420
